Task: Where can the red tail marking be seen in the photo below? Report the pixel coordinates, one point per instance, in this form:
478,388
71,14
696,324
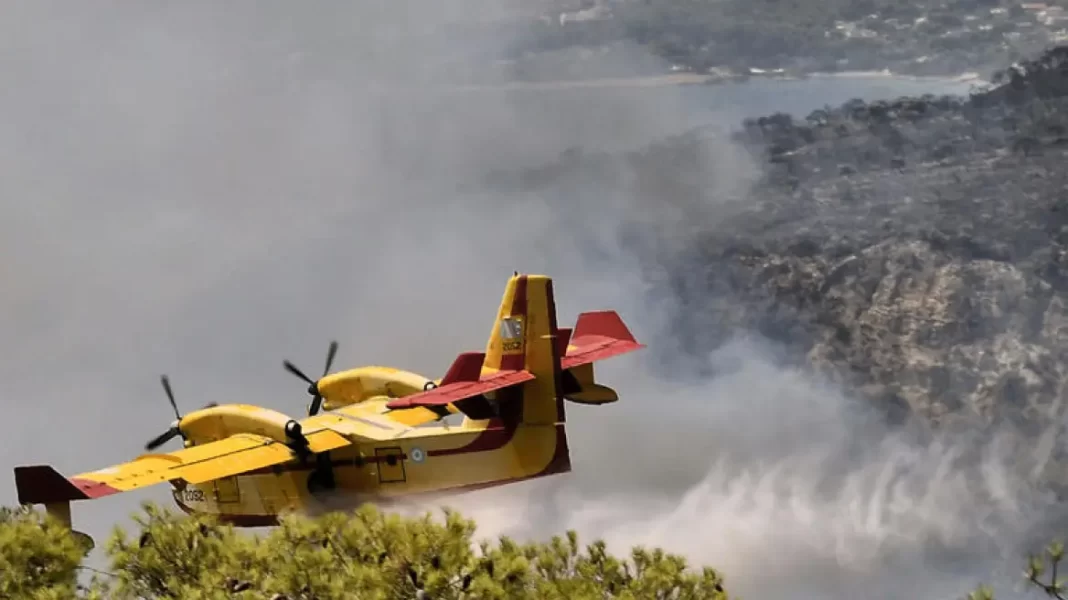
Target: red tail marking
466,367
563,338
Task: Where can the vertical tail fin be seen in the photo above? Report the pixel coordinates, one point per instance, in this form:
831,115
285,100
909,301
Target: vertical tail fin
524,338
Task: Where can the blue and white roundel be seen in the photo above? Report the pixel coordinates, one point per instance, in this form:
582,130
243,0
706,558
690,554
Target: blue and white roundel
417,455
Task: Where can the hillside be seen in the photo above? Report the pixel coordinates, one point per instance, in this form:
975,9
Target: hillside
915,250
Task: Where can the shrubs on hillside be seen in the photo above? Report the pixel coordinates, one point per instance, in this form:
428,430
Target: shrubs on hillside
367,554
38,559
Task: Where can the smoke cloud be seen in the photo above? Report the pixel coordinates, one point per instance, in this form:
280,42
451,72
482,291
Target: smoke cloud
790,489
209,188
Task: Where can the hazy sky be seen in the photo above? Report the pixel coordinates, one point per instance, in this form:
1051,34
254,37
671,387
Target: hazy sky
206,189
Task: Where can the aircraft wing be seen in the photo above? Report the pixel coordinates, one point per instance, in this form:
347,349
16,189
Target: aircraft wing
463,380
371,420
40,484
597,335
407,417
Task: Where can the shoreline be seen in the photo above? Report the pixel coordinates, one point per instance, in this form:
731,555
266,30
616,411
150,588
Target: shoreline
965,77
684,79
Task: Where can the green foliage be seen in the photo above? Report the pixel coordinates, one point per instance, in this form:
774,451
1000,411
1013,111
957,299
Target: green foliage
1036,567
39,558
1053,587
367,554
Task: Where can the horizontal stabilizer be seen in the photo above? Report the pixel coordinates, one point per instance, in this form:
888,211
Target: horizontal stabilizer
461,390
593,393
598,335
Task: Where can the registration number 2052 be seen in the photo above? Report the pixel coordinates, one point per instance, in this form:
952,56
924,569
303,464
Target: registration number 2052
192,495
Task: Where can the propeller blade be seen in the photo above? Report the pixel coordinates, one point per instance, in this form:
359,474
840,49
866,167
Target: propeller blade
162,438
330,357
170,394
313,386
316,403
294,370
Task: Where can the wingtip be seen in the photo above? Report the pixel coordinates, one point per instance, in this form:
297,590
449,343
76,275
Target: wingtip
602,323
42,484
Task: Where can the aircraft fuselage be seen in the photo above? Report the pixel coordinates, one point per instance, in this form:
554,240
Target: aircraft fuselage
421,461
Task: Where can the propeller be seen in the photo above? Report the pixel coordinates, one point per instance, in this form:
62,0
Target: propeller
173,431
313,385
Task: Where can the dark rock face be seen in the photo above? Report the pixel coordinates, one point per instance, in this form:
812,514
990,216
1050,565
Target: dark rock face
906,322
914,324
909,249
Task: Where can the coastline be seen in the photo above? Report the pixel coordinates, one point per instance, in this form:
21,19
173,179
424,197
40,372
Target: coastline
967,76
680,79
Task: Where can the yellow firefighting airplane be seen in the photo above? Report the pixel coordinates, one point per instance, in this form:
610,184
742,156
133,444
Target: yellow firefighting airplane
377,439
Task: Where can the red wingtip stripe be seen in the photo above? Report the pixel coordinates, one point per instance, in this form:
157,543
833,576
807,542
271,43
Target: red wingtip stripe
94,489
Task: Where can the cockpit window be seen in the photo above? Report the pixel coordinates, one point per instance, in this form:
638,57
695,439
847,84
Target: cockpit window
511,328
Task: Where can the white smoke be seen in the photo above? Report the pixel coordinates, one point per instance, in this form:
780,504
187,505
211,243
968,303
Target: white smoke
789,489
206,189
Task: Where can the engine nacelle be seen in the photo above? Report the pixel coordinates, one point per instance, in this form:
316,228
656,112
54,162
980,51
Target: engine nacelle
363,383
218,422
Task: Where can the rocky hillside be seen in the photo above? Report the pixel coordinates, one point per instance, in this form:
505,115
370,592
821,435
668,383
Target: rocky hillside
915,250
